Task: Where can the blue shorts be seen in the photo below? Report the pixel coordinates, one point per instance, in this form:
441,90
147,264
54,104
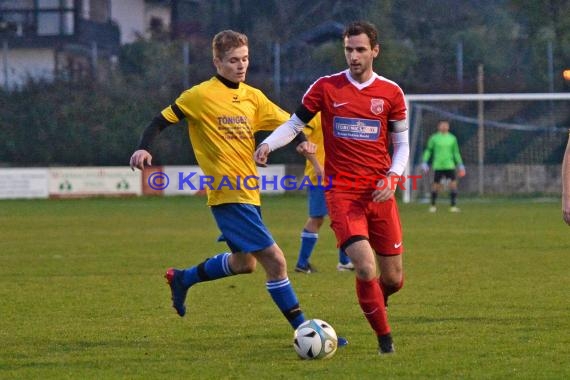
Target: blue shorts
317,203
242,228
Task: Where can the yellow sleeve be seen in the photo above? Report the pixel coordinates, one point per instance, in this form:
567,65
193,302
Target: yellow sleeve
169,115
269,115
185,102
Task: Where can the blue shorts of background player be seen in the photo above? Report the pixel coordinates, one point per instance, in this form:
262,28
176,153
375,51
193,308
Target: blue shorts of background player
317,211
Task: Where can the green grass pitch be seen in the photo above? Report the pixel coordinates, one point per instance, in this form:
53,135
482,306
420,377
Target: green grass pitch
82,295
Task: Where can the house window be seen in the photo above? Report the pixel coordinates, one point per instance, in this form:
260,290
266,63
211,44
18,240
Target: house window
55,17
16,17
16,4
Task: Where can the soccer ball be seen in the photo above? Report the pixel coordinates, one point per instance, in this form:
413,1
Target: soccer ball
315,339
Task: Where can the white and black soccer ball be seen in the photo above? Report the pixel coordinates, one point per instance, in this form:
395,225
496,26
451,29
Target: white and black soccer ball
315,339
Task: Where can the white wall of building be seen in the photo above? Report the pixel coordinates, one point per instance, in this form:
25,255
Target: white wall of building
130,16
18,65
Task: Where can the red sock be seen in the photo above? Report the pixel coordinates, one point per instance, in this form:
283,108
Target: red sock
371,302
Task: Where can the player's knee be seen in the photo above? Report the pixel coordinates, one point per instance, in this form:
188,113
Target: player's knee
393,283
273,261
276,271
365,272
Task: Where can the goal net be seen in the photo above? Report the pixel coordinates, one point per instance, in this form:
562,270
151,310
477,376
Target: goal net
511,144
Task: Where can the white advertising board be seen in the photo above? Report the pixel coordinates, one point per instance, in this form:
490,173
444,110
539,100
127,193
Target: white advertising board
94,181
272,179
23,183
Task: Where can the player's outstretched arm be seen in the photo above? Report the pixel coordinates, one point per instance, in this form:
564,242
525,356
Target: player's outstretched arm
285,133
280,137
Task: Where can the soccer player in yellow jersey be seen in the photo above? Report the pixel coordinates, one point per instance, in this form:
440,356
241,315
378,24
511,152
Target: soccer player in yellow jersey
223,113
317,206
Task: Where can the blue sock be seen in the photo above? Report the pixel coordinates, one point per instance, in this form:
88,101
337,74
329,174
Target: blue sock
210,269
284,296
343,257
308,241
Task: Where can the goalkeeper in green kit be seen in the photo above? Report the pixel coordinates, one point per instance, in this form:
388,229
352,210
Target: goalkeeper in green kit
443,151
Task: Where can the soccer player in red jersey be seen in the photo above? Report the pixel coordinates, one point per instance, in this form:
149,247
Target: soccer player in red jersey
362,114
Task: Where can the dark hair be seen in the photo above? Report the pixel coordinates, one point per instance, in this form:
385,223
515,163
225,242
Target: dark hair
226,40
362,27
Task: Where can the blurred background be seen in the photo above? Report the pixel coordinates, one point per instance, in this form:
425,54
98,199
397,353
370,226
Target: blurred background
80,79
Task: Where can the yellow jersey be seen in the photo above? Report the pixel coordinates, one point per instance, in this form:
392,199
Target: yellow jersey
222,122
314,133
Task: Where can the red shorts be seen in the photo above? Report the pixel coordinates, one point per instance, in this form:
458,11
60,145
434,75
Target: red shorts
356,215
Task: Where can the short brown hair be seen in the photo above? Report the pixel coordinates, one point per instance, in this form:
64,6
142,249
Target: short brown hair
226,40
359,27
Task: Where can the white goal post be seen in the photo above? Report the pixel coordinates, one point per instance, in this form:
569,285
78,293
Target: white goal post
506,139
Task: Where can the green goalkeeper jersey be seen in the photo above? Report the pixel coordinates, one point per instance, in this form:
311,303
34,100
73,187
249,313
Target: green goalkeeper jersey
443,150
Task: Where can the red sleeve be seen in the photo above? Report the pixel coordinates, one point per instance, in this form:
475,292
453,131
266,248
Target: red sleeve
313,98
398,111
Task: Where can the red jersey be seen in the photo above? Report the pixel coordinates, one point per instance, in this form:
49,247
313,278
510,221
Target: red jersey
355,119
